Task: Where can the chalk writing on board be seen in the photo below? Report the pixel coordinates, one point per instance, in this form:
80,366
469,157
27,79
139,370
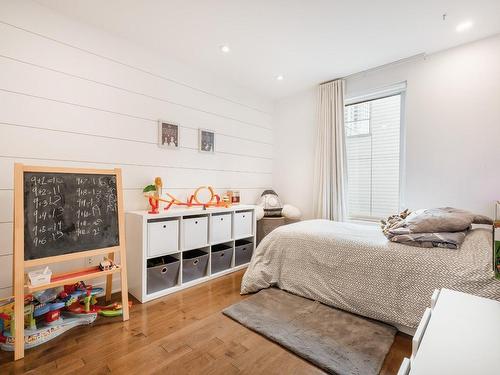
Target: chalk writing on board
66,213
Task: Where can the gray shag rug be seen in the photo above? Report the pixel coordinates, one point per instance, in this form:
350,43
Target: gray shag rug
334,340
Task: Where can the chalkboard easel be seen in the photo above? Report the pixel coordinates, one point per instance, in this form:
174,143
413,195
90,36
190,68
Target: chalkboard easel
63,214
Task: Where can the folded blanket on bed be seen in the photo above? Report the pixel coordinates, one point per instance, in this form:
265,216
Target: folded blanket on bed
435,227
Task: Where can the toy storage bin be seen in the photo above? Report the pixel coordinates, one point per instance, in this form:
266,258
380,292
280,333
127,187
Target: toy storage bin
243,224
194,265
243,252
220,227
163,236
163,273
195,231
221,257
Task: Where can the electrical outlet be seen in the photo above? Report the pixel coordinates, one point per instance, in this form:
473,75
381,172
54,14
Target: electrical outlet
91,261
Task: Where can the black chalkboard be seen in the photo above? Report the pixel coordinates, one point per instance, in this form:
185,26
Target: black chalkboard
69,213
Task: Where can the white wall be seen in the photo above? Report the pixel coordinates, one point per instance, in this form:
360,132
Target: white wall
294,142
452,129
73,96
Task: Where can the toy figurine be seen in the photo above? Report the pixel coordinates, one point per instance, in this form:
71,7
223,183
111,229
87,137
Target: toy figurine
154,195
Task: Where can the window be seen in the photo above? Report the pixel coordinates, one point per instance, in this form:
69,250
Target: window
373,138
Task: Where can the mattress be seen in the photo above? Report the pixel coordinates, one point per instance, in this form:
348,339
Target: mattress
355,268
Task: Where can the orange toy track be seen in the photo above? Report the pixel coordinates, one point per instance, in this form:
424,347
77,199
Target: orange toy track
193,200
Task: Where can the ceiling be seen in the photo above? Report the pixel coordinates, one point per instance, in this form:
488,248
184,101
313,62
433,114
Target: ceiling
306,41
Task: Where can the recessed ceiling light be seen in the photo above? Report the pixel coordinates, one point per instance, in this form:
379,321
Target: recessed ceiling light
464,26
279,77
225,48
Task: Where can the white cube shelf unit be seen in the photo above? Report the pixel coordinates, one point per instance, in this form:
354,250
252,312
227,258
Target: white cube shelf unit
182,241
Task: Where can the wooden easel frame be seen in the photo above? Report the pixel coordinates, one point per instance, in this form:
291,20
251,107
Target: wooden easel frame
19,264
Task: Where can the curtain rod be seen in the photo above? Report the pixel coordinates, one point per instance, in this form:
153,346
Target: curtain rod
397,62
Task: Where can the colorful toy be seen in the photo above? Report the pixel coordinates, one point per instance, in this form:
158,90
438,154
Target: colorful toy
155,191
60,311
107,265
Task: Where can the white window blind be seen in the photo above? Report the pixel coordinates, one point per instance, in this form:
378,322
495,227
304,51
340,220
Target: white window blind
372,130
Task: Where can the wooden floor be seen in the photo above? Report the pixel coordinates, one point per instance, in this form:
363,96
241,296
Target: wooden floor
184,333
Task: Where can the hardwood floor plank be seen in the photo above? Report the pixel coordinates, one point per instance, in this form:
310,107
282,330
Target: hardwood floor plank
183,333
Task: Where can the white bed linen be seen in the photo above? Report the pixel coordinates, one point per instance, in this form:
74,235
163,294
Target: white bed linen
355,268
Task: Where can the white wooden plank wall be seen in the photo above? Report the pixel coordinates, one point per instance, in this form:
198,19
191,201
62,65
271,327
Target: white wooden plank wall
73,96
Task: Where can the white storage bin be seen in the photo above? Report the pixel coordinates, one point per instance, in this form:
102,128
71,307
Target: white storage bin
163,237
243,224
220,228
195,232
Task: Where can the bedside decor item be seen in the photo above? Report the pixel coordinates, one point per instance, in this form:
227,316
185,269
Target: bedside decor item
291,212
168,134
271,203
259,212
206,141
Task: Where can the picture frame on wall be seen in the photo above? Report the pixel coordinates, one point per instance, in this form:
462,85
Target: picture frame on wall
206,141
168,135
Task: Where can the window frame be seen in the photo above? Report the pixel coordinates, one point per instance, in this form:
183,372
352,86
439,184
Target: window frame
393,90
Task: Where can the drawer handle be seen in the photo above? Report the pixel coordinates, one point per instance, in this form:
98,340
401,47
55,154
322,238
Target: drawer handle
243,216
164,270
195,262
165,226
221,218
196,222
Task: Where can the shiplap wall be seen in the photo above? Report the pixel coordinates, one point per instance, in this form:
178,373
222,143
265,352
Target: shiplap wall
73,96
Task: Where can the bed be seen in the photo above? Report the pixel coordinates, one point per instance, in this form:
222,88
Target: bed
355,268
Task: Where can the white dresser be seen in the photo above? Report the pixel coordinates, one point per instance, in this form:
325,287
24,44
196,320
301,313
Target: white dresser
458,335
210,243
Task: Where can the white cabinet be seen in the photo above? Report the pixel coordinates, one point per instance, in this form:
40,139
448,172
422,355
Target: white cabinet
459,336
195,232
168,239
220,228
163,237
243,224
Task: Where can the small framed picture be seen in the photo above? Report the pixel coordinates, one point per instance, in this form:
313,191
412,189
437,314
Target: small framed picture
168,134
206,140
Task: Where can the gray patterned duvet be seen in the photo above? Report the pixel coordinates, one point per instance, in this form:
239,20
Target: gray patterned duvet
355,268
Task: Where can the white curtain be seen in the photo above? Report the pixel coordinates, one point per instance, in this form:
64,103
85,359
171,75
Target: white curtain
330,170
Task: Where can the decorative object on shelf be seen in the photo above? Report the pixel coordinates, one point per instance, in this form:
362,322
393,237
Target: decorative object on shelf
107,265
206,142
153,193
203,196
271,203
40,277
234,196
168,135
